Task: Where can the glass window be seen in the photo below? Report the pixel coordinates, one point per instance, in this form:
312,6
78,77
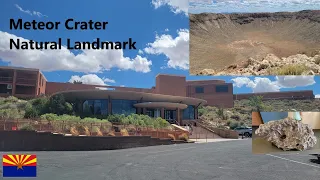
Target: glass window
222,88
95,107
188,113
123,106
199,89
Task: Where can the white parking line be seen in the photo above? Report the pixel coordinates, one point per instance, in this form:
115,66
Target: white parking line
293,161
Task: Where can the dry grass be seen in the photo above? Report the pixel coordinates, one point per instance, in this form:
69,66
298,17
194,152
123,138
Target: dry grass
184,137
172,137
111,133
74,131
293,69
124,132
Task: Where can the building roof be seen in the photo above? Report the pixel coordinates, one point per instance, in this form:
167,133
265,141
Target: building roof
167,105
129,95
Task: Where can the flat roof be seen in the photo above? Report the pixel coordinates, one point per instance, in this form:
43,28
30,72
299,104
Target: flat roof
128,95
19,68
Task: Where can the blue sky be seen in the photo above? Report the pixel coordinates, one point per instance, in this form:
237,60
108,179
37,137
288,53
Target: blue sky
228,6
160,28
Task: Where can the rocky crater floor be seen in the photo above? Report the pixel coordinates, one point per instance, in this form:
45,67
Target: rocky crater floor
299,64
255,43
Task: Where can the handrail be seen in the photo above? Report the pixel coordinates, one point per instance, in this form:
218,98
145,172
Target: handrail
203,126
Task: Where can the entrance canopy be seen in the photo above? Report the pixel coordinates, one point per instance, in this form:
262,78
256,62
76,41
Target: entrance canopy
166,105
129,95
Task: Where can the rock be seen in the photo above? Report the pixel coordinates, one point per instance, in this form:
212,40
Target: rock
207,72
288,134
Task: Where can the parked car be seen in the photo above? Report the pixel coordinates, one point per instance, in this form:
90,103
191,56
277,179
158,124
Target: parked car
244,131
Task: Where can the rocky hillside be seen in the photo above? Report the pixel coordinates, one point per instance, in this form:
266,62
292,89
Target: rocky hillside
218,41
240,114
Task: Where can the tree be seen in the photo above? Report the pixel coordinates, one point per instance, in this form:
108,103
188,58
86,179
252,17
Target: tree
77,82
257,103
58,105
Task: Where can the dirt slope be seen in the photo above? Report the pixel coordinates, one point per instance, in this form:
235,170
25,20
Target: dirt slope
220,40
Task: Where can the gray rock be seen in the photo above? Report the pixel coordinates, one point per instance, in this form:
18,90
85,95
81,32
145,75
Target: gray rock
288,134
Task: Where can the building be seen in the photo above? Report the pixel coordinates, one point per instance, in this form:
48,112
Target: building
175,109
21,82
30,83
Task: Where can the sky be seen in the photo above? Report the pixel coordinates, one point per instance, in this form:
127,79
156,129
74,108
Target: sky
160,28
230,6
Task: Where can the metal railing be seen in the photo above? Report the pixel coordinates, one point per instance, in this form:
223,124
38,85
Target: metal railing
6,79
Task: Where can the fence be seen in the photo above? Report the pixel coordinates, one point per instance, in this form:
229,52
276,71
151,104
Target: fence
90,128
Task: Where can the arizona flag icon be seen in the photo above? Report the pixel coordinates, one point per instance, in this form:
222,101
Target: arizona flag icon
19,165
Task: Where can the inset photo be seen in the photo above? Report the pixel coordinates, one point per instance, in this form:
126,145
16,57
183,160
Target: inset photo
254,37
285,132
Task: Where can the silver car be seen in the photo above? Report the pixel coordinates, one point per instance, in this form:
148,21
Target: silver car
244,131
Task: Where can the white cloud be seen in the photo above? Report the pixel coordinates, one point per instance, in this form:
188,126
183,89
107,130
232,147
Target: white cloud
175,49
140,51
31,13
295,81
260,84
240,81
166,30
218,6
86,61
122,86
177,6
317,96
92,79
108,80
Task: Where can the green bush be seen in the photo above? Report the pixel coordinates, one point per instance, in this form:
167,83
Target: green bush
26,127
49,117
234,124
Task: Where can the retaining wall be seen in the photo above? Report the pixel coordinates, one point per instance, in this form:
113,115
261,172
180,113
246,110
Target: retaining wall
46,141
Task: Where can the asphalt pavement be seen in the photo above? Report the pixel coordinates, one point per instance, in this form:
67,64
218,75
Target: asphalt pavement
226,160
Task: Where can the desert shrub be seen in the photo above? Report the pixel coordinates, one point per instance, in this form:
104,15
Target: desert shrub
184,137
49,117
172,137
228,122
124,132
31,112
235,117
317,60
11,99
234,124
26,127
40,104
74,131
10,114
201,111
294,69
116,118
97,130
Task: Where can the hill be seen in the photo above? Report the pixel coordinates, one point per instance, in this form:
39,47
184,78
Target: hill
240,114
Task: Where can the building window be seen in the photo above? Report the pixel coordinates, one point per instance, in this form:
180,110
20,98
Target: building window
123,106
188,113
222,88
95,107
199,89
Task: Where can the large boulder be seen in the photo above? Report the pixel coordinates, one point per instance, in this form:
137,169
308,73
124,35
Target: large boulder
288,134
